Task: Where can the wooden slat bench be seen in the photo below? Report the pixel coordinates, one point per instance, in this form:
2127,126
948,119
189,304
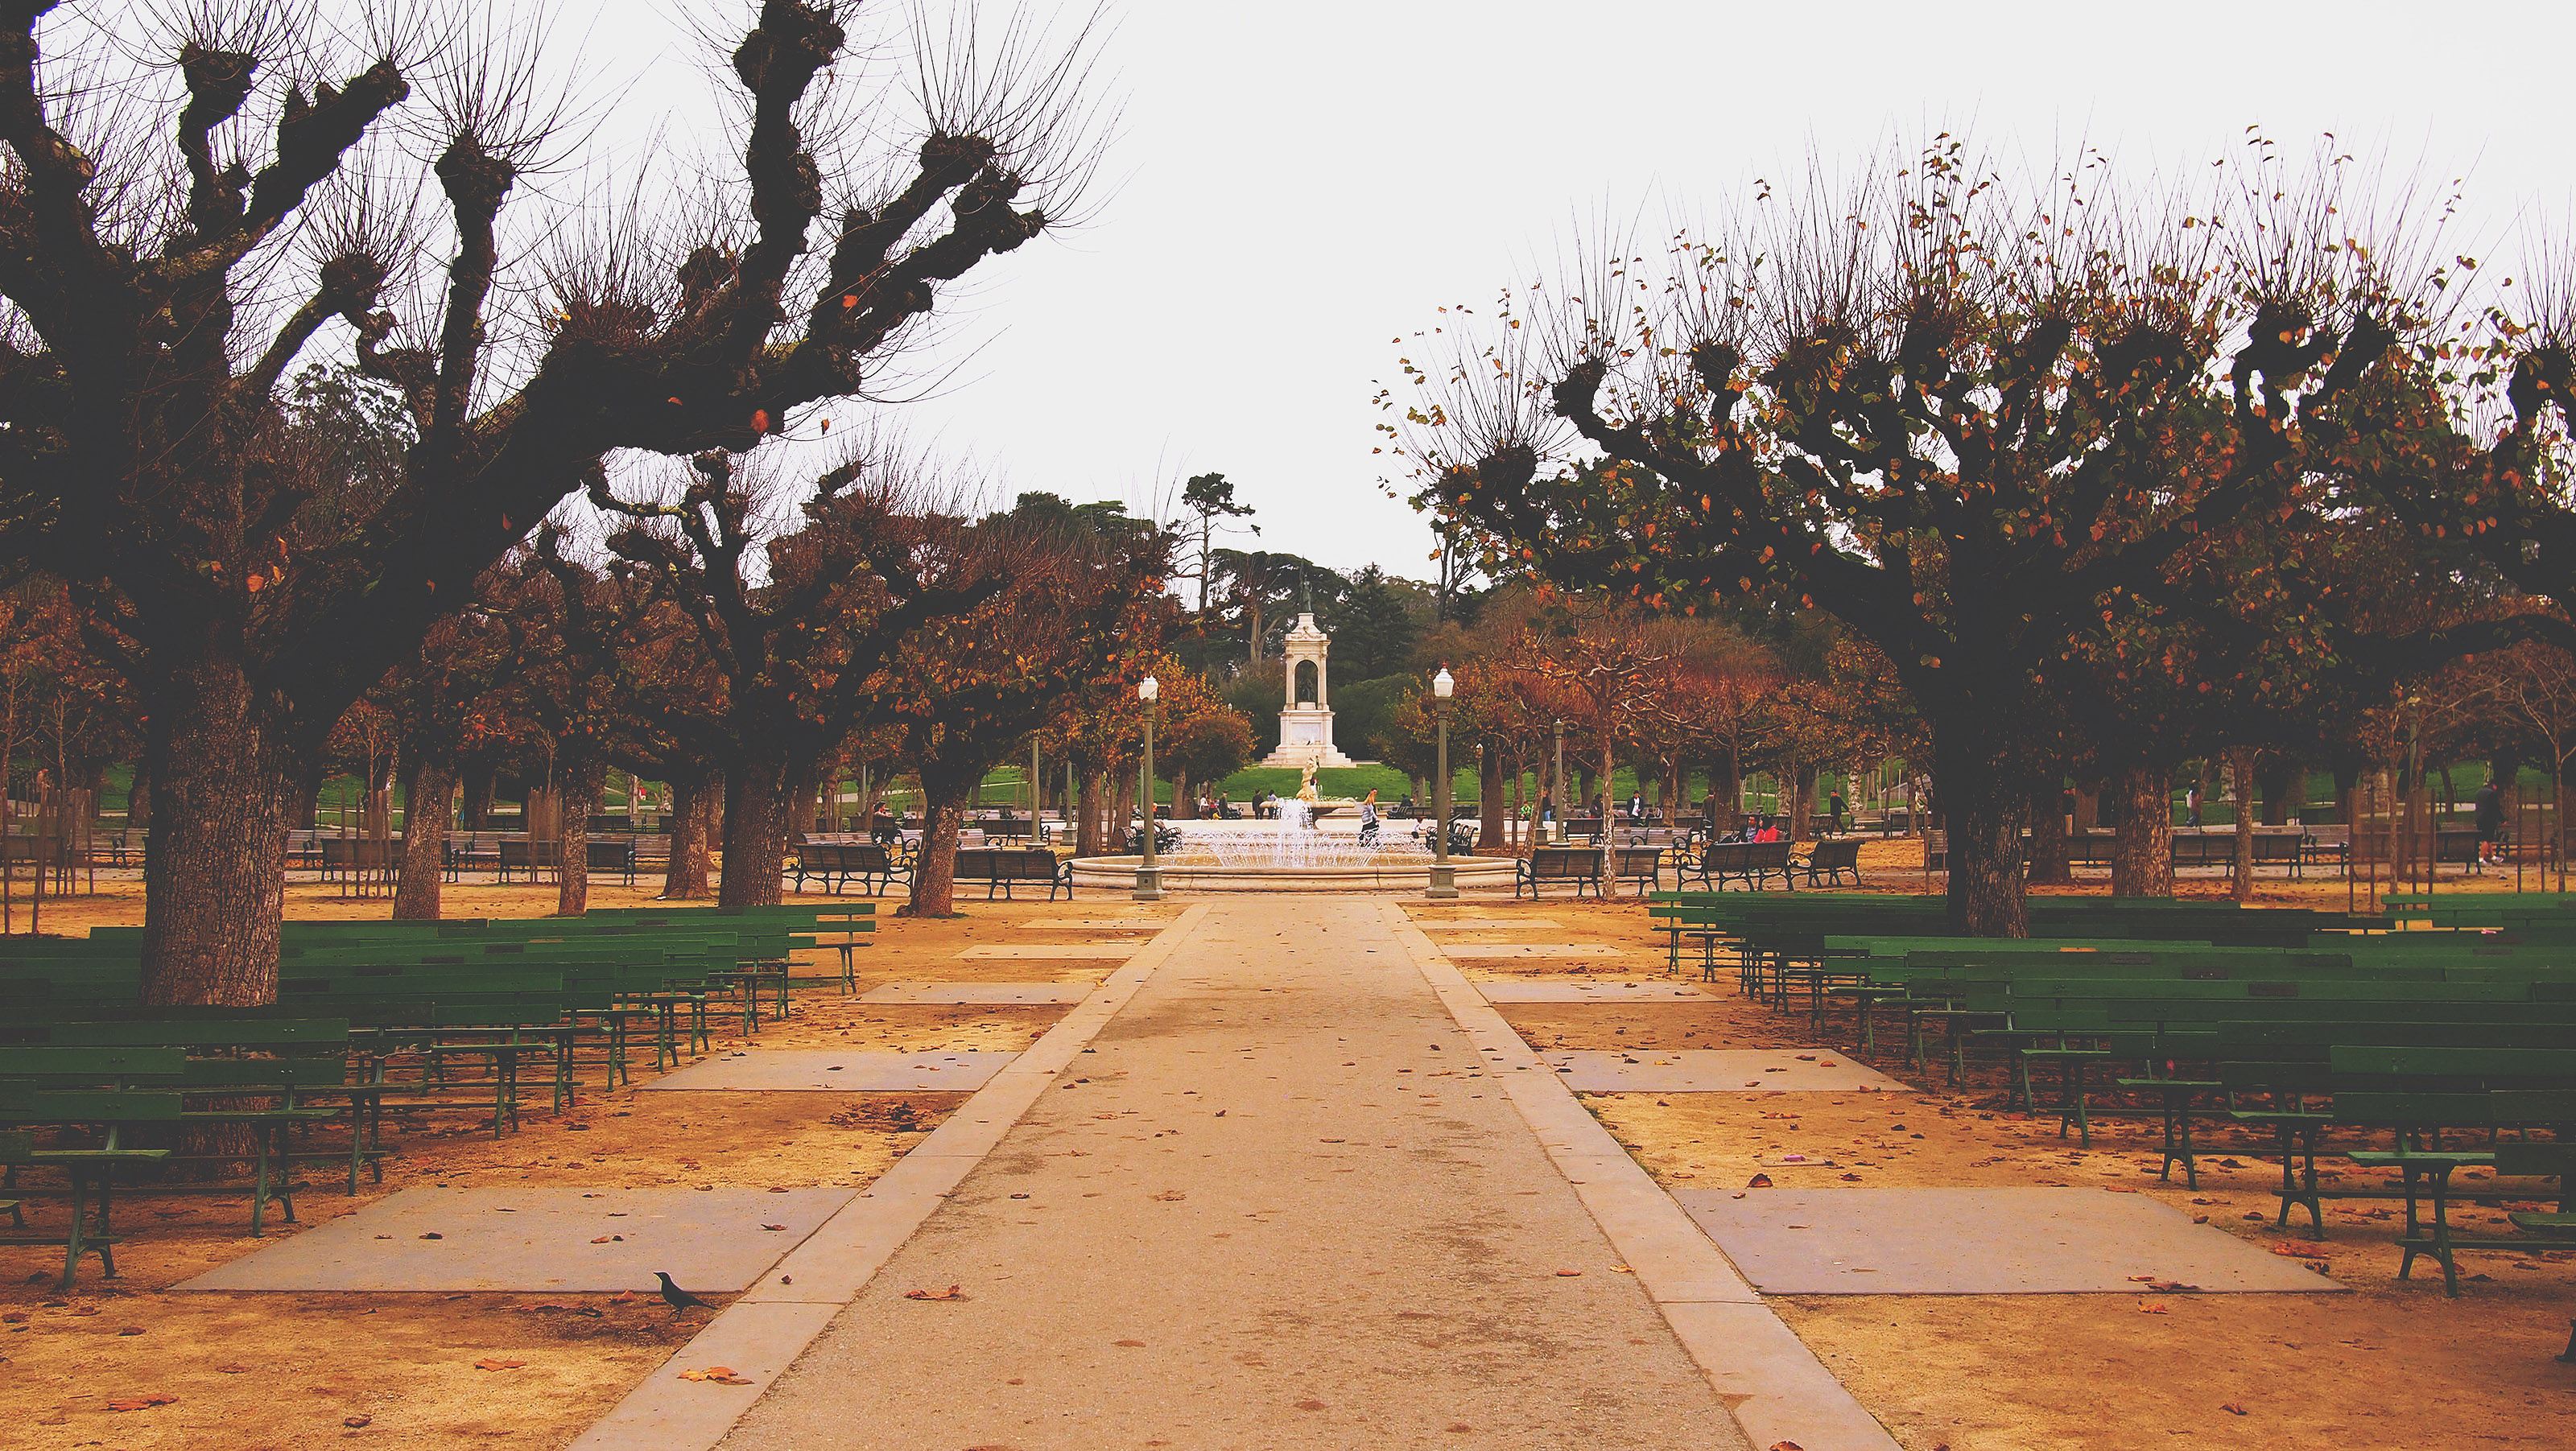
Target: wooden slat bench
1001,866
1832,860
1580,865
1749,862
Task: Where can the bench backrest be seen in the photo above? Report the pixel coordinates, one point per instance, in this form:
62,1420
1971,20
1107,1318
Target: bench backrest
1832,854
1566,861
1011,863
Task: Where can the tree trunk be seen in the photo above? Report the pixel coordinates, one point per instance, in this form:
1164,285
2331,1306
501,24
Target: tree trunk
426,816
138,796
755,830
1086,833
934,871
2283,780
1184,806
686,877
478,778
214,882
583,780
802,807
305,810
2048,854
2142,851
1609,782
2240,765
1489,802
1985,804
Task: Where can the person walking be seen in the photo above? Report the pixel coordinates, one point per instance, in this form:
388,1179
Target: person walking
2191,806
1368,818
1834,812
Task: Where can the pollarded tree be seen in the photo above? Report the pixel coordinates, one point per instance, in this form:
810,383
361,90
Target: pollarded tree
157,290
1919,407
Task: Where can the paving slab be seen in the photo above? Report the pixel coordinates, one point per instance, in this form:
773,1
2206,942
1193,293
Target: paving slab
1488,924
1234,1223
1523,990
1048,951
1463,951
1981,1242
831,1070
1716,1070
977,992
539,1239
1097,924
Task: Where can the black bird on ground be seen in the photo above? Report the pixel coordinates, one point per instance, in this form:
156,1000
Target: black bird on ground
677,1298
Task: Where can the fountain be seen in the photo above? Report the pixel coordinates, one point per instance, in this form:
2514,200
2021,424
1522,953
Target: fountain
1295,852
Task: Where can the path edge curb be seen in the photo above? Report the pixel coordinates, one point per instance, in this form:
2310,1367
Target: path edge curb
1771,1381
765,1331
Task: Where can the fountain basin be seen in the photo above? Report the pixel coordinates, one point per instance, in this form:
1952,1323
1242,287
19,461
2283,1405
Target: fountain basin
1398,871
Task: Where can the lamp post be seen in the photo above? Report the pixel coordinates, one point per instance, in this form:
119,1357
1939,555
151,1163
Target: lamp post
1444,877
1557,798
1149,877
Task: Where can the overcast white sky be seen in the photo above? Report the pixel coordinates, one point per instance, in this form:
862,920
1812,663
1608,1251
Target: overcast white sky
1293,186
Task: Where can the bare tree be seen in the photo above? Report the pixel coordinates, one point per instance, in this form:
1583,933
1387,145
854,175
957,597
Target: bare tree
1917,403
157,290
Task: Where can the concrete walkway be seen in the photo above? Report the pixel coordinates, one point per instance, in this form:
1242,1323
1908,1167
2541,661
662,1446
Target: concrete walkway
1293,1196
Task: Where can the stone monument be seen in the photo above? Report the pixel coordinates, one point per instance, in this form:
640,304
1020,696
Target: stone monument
1306,724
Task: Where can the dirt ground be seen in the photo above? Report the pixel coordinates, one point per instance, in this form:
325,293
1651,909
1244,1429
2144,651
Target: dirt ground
403,1370
2389,1364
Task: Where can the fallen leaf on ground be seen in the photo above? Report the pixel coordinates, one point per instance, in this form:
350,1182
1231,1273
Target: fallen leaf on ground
603,1239
2151,1307
2233,1409
951,1293
718,1375
355,1422
1130,1344
142,1403
494,1362
1568,1274
773,1227
1787,1446
1758,1181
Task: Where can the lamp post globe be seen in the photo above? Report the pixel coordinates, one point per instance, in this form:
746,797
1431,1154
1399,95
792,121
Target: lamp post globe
1149,875
1444,877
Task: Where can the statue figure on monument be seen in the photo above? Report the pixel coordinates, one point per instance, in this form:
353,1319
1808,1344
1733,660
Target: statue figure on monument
1306,785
